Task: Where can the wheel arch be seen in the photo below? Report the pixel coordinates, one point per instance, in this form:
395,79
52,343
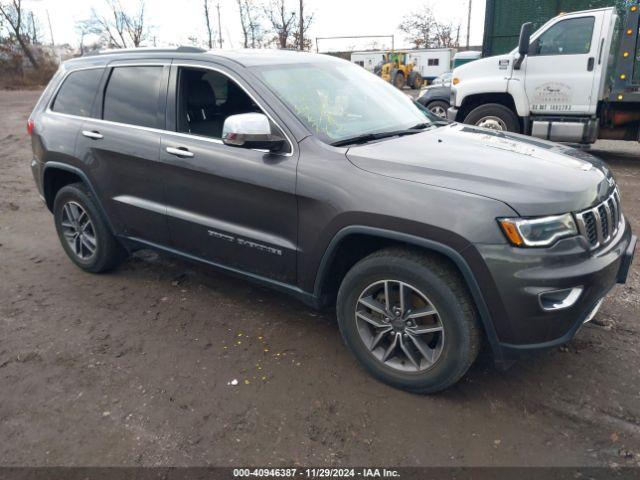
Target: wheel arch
56,175
333,266
471,102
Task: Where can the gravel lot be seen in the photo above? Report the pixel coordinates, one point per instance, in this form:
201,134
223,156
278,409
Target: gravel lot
133,367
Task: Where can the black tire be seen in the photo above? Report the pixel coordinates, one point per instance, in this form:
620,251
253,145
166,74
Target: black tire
416,80
446,290
398,80
439,106
108,251
508,118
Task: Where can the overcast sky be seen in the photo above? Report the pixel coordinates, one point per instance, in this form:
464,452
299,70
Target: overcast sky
173,22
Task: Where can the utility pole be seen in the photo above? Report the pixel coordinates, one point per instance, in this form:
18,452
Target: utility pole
50,29
469,23
301,42
219,25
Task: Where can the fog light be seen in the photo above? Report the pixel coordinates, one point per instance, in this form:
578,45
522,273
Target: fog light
559,299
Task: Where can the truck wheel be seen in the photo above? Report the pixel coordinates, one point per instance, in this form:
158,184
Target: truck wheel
398,80
416,81
83,232
438,108
495,117
408,319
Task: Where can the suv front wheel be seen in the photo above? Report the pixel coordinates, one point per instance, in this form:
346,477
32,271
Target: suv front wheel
83,233
408,319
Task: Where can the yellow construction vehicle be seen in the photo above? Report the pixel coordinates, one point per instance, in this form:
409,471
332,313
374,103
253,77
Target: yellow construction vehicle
396,69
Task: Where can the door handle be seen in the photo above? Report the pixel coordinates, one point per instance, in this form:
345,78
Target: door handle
92,134
179,152
590,63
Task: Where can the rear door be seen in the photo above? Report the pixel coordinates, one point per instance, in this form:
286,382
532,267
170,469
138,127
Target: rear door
121,148
59,125
564,64
232,206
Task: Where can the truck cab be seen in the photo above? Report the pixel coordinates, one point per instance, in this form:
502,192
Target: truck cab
574,80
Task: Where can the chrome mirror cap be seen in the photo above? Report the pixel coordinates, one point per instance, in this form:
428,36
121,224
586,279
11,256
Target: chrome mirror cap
250,130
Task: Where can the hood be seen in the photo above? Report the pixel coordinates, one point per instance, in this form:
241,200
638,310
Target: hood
534,177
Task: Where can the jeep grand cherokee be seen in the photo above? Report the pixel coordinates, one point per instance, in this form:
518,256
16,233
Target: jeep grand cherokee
309,174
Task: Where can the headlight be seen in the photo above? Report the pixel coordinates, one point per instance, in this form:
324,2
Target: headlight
538,232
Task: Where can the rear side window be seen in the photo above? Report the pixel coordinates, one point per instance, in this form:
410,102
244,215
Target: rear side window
132,96
77,92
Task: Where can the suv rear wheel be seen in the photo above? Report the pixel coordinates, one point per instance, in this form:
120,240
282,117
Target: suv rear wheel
408,319
83,233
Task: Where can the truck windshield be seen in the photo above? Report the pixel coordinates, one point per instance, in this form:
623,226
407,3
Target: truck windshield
340,100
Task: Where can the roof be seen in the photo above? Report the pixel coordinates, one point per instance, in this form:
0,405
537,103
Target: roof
245,57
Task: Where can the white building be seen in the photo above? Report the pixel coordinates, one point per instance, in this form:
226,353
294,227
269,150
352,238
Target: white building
430,62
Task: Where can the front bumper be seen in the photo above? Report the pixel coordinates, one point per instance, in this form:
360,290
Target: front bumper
452,114
519,276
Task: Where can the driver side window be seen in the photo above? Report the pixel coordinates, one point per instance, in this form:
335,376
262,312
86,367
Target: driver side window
567,37
206,98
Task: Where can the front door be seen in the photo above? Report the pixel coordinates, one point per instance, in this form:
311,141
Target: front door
562,66
232,206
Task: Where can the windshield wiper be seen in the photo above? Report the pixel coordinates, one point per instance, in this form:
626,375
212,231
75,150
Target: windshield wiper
369,137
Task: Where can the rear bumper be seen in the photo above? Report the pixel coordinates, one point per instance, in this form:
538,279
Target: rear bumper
522,275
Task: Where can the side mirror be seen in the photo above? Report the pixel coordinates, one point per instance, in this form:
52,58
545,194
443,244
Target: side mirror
523,44
250,130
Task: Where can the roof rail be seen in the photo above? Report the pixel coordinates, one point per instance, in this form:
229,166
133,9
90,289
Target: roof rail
181,48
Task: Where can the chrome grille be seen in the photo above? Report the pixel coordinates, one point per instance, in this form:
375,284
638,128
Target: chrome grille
599,224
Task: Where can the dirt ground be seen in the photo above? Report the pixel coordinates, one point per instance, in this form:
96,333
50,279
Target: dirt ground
134,367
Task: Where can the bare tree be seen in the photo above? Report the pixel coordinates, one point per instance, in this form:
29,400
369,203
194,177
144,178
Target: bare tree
207,19
83,29
33,28
282,21
135,25
301,27
419,27
283,24
120,28
15,15
424,31
244,22
250,21
300,40
446,35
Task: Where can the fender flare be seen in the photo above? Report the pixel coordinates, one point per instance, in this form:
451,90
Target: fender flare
52,165
447,251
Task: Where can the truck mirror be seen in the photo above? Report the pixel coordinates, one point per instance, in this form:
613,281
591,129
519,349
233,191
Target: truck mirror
523,44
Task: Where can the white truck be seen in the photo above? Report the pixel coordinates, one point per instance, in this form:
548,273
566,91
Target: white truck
575,80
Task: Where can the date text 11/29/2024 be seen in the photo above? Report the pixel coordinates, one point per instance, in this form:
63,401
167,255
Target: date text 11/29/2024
315,473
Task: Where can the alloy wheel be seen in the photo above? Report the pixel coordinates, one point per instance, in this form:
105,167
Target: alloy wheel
399,326
438,111
492,122
78,230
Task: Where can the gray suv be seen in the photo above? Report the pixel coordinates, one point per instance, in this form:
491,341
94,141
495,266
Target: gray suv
308,174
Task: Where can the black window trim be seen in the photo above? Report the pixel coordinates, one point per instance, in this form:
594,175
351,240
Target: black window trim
172,97
162,95
169,93
535,42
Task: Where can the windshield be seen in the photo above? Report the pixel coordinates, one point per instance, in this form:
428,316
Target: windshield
340,100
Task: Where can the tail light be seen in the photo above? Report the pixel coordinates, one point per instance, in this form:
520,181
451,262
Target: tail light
30,126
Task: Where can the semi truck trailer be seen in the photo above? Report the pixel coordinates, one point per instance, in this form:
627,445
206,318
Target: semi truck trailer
575,80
